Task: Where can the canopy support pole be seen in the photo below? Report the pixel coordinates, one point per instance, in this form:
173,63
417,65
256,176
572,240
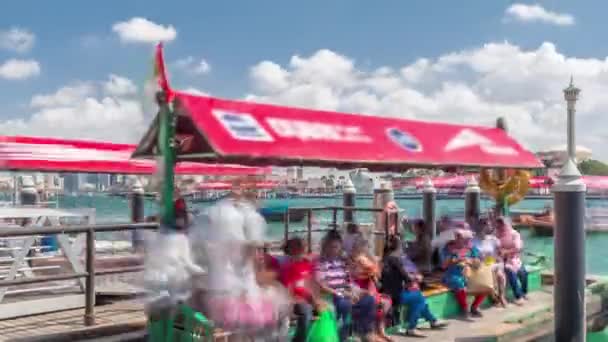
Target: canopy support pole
166,143
471,201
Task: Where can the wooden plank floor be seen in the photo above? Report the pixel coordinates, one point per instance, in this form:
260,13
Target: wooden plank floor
48,326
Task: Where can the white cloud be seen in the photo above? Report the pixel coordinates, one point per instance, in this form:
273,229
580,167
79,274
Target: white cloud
64,96
17,39
141,30
536,13
196,66
472,86
269,77
119,86
19,69
82,111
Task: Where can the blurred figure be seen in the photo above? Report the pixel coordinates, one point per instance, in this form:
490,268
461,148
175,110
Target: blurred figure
296,275
239,294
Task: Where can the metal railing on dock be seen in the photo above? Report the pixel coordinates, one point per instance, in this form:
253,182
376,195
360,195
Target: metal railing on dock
90,272
334,224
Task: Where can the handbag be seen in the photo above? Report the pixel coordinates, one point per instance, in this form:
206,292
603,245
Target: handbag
479,279
324,329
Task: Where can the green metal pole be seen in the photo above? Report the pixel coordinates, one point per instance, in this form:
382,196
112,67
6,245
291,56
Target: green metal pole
166,139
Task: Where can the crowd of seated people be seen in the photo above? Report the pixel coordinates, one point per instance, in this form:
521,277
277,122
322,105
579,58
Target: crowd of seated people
368,293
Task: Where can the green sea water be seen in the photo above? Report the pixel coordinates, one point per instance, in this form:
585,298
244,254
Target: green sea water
116,210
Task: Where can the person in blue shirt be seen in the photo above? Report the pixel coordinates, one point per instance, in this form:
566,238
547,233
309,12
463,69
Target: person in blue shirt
458,255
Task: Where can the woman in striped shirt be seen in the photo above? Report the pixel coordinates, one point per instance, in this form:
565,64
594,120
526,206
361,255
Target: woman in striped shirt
331,272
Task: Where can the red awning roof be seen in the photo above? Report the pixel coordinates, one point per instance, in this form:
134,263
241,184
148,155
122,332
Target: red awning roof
60,155
213,129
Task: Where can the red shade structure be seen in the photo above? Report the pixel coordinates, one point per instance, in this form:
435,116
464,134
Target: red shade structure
212,129
19,153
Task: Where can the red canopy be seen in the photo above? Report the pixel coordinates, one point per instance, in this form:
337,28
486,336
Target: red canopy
540,182
214,186
457,181
596,182
212,129
59,155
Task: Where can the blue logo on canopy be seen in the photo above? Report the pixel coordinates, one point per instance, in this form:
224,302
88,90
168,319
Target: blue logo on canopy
404,140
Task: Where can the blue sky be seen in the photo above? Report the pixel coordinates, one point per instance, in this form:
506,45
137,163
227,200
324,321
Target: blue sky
75,41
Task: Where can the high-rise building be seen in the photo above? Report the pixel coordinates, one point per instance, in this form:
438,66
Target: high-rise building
300,173
103,181
71,182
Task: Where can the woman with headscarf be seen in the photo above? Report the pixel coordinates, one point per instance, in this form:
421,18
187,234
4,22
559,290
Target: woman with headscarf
488,246
365,271
511,246
459,256
402,283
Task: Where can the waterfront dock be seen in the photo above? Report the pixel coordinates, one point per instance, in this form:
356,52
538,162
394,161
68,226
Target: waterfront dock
126,321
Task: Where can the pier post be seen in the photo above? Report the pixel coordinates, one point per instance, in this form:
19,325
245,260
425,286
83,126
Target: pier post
381,198
137,213
89,309
349,194
569,205
471,201
429,199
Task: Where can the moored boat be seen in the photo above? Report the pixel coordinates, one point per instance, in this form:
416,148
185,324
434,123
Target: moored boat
277,214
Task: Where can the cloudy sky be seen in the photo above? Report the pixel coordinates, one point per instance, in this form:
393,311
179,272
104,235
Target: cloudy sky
76,68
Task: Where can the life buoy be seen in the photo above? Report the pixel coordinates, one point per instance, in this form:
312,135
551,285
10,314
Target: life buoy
513,188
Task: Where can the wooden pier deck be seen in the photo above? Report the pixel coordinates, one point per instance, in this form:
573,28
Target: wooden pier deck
111,319
125,320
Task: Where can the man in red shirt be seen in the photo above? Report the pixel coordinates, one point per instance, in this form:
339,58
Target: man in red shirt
296,275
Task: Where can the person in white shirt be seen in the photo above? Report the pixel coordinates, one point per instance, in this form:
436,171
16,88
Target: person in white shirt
489,245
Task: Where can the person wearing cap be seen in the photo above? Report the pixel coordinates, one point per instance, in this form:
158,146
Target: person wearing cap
458,255
511,246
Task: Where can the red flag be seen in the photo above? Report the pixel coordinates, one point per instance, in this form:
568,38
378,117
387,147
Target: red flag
160,73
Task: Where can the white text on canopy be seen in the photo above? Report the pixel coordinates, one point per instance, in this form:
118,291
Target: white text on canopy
307,130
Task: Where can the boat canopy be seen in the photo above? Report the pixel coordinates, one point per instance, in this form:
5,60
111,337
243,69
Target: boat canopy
19,153
216,130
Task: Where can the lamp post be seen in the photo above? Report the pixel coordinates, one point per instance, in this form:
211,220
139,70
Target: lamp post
569,205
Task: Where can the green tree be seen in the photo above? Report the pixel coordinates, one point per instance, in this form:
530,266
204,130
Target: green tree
593,167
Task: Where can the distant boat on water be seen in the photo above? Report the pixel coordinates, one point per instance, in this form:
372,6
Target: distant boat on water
276,213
